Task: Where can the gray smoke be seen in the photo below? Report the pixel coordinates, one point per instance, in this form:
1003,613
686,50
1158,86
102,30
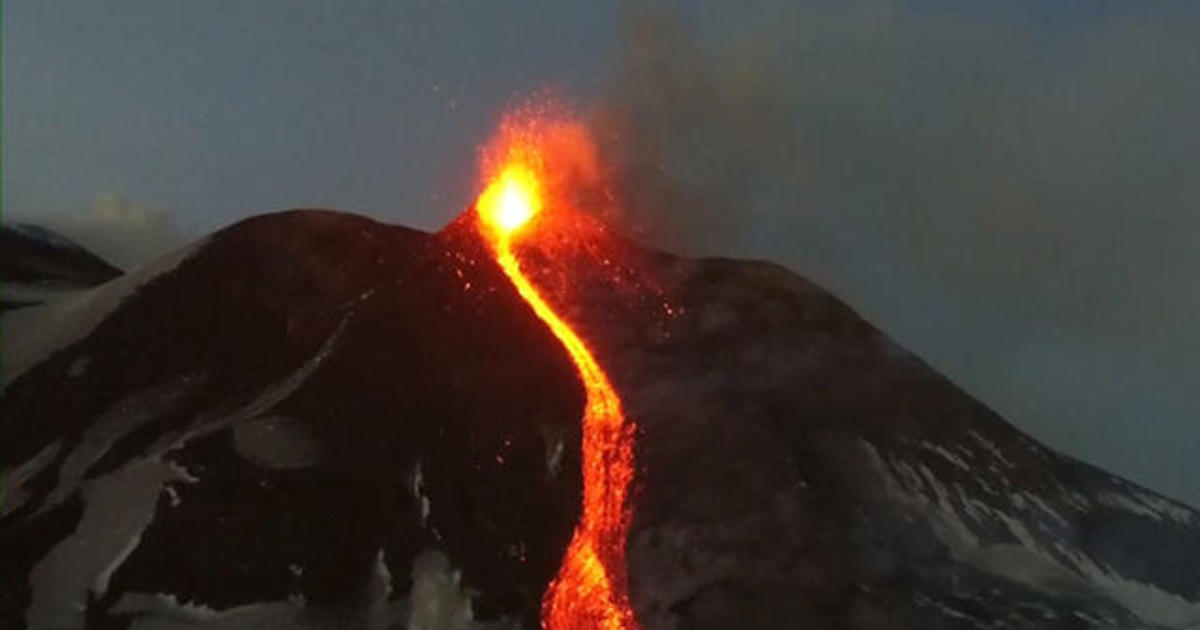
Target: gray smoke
1015,200
123,232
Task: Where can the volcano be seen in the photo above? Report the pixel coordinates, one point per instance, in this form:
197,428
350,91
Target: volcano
37,264
314,420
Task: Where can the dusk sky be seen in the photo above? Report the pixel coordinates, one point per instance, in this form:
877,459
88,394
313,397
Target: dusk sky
1009,189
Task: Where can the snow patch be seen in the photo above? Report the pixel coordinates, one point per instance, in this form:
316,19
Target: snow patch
949,455
954,613
12,491
438,599
33,334
373,611
263,402
165,612
990,447
125,416
1157,508
1052,567
380,612
417,487
1026,500
117,509
277,443
120,505
554,438
36,293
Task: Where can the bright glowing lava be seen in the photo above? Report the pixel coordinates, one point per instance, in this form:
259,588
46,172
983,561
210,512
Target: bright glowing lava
511,201
590,589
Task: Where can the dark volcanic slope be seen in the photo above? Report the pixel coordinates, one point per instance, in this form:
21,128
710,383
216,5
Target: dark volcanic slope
313,420
801,470
307,400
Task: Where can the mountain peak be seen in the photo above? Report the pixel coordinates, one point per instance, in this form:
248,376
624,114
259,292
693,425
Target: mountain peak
312,419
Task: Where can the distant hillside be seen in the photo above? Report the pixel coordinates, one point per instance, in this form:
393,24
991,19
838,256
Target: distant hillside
37,264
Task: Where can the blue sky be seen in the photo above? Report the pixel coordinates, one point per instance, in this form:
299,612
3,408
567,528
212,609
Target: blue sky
1007,188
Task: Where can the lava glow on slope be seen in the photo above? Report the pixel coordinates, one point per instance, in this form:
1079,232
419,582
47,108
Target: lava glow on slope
589,591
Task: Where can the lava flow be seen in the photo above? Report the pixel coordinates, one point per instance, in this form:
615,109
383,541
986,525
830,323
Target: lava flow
589,591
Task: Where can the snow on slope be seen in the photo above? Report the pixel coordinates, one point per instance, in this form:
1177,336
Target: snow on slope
1037,555
34,333
120,505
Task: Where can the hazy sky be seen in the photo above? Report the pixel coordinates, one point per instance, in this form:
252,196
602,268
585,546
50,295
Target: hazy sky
1010,189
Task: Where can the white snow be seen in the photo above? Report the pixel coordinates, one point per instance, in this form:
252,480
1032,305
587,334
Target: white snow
417,487
119,420
164,612
267,398
990,447
922,600
34,333
1027,502
277,442
438,600
381,613
945,453
36,292
554,438
12,491
118,507
1157,508
1032,560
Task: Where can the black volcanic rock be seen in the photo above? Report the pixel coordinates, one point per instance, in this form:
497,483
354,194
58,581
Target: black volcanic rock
311,419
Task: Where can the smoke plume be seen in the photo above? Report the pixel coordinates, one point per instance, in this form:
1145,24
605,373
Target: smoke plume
1010,194
123,232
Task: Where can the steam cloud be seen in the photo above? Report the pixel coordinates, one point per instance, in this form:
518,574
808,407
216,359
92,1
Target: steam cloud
1016,202
121,231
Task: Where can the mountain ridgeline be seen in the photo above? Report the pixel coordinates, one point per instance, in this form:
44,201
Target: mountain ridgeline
314,420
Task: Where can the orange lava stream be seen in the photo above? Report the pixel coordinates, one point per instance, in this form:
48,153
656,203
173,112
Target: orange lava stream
589,591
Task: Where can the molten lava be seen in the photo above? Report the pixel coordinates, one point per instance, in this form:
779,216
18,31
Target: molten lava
589,591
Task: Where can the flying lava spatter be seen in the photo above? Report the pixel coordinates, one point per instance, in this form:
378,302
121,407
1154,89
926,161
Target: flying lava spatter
589,592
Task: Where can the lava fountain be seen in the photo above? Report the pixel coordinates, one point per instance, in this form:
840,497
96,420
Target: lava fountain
590,589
